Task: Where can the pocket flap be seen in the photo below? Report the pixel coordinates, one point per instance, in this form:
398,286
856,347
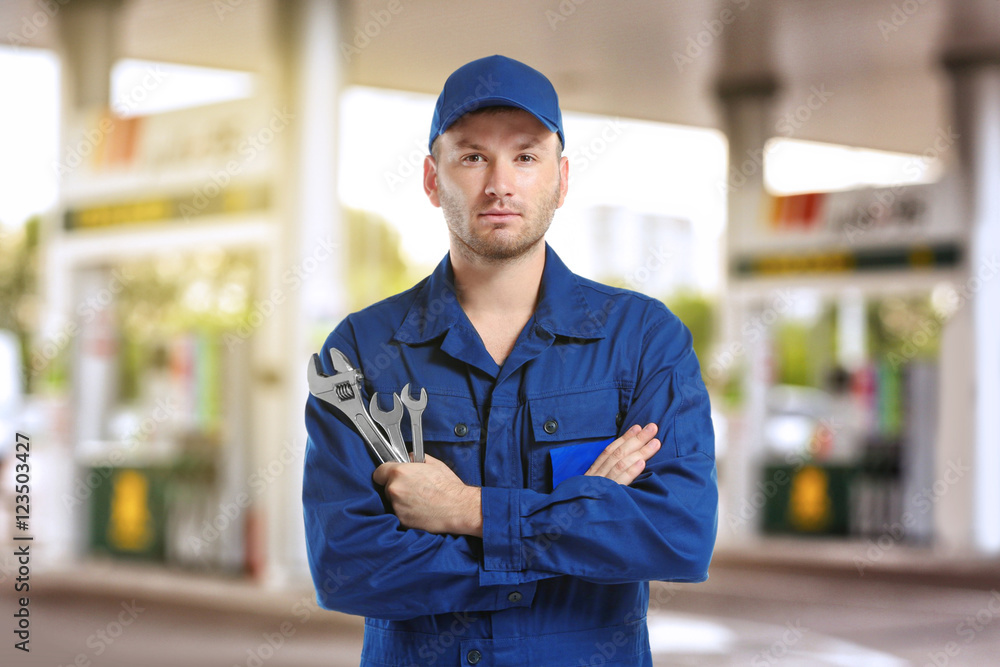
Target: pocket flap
444,418
579,416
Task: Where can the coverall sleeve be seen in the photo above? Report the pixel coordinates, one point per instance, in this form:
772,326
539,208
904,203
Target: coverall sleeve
661,527
362,560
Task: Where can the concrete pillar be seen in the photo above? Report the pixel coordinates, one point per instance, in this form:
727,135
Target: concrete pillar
972,59
748,125
87,48
746,91
305,268
88,32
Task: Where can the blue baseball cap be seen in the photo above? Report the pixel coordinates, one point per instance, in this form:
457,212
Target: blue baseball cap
496,81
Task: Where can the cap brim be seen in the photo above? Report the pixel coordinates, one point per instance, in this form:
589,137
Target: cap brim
487,102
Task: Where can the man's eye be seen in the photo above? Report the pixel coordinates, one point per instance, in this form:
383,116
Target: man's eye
473,158
526,158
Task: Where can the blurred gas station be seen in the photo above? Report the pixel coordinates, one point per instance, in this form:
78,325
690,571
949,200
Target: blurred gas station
194,192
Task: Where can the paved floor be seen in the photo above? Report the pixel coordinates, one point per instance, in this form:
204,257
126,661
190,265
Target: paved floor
744,615
792,618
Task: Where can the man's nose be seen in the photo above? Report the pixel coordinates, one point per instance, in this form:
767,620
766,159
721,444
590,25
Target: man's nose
500,179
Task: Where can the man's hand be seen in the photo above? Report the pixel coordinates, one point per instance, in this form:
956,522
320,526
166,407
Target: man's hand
626,457
430,496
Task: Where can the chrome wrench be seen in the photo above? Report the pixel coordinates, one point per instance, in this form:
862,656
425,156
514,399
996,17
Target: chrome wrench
390,422
342,392
416,408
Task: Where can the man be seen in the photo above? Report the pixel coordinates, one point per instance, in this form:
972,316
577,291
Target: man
545,504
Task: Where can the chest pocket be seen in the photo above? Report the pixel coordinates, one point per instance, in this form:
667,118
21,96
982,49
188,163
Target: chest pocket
567,420
452,430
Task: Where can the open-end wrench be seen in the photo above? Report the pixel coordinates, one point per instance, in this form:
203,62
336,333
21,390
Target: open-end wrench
342,391
416,408
390,422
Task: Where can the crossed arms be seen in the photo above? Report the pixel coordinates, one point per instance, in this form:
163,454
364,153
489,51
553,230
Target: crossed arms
431,497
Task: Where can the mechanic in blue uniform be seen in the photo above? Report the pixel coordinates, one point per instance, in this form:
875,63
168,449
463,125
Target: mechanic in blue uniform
570,452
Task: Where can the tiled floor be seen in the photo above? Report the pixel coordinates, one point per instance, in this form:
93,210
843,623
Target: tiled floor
837,618
687,639
741,616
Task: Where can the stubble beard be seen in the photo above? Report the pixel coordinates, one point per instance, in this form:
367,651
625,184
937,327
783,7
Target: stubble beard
494,248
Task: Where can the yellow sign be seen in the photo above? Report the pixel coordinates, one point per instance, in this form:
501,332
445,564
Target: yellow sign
845,260
130,527
207,200
809,505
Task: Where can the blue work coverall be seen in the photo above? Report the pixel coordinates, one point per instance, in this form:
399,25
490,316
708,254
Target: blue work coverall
560,576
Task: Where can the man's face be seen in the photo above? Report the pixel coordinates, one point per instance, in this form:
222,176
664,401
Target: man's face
498,179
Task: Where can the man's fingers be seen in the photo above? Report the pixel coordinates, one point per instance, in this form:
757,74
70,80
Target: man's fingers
627,476
639,463
633,464
381,474
624,451
613,452
650,448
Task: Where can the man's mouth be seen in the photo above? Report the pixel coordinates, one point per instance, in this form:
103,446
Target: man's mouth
499,215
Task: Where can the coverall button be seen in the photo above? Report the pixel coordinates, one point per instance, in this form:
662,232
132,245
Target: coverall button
514,597
461,430
619,418
473,656
551,426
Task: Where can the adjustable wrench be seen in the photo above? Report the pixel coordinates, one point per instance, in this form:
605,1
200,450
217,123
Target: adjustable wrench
342,391
416,408
390,422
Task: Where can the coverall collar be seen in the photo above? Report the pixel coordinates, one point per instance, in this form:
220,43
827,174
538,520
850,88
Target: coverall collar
562,308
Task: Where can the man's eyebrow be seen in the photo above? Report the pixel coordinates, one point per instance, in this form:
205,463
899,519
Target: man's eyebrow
465,143
525,145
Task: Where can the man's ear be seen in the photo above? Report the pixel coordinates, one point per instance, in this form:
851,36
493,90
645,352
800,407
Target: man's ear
430,180
563,179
